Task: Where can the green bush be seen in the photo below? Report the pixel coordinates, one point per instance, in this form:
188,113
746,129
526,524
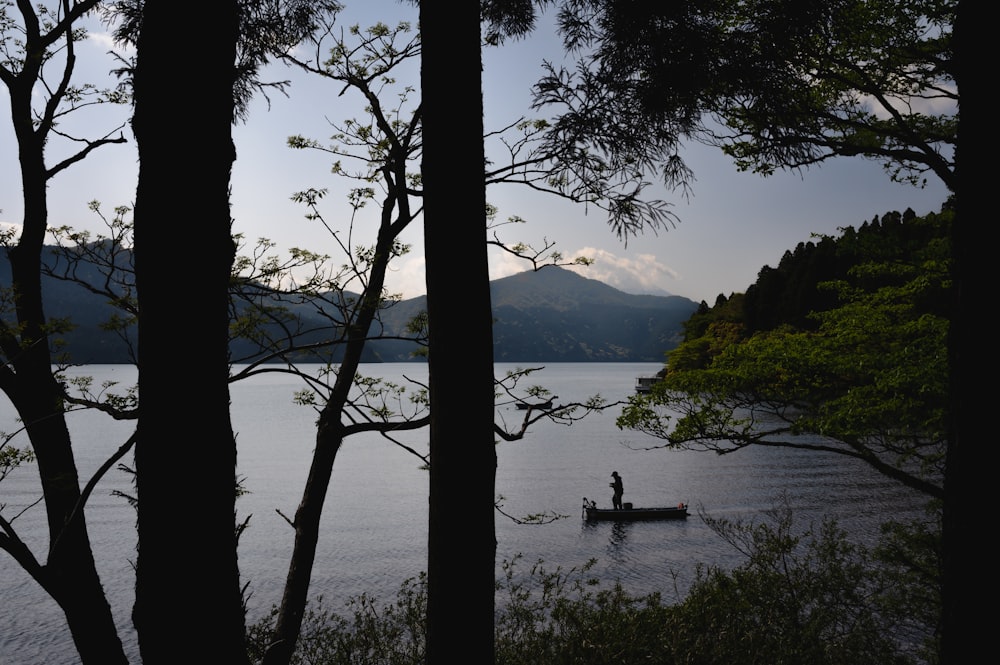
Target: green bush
372,635
810,598
564,617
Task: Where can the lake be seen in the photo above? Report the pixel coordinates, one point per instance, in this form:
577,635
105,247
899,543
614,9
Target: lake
375,518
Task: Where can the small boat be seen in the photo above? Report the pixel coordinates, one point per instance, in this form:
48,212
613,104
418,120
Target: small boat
630,514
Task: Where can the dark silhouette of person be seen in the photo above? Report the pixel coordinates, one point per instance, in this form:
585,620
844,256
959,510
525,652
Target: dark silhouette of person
619,489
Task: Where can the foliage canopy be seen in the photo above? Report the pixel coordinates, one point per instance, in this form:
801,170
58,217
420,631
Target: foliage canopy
866,378
775,83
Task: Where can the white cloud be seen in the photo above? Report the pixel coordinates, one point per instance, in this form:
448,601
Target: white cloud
406,276
505,264
106,42
10,227
639,274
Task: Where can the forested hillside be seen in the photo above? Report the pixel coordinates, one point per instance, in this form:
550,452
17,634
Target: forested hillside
818,276
840,350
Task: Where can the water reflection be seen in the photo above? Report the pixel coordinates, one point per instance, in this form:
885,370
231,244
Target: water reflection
617,542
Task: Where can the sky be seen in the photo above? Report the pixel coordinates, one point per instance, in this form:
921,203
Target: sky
730,226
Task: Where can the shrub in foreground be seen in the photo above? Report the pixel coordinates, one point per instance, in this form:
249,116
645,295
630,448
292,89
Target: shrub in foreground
809,599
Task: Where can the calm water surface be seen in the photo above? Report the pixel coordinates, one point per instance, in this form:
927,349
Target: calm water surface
375,519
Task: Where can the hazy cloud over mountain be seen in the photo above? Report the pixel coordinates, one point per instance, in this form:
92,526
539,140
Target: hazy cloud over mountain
641,275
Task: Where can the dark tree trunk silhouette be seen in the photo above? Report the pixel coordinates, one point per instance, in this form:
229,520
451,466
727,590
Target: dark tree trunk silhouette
69,574
461,536
330,434
966,483
188,602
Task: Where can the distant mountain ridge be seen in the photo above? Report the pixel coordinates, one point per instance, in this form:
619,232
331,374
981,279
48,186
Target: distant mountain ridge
550,315
556,315
564,289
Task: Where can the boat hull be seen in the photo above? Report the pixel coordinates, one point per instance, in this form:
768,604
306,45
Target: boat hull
635,514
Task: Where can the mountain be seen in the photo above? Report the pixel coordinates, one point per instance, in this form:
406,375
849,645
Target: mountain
552,315
555,315
88,342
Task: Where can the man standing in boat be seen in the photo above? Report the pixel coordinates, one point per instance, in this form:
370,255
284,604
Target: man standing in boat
618,488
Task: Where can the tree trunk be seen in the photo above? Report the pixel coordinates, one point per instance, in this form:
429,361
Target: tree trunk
330,435
967,555
461,536
188,601
69,575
